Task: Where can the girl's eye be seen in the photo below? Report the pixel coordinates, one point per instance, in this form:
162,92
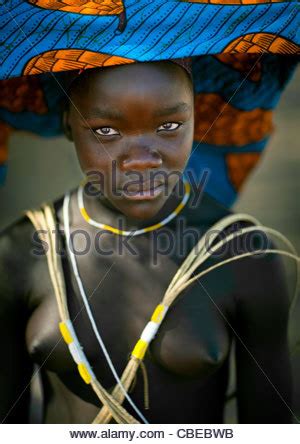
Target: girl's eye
169,126
106,131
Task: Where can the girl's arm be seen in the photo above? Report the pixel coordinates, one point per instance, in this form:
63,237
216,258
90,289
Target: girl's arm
263,369
15,365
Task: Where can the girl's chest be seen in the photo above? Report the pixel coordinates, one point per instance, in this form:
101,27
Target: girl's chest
193,340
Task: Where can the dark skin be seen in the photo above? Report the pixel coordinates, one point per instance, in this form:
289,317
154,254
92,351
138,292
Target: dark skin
245,301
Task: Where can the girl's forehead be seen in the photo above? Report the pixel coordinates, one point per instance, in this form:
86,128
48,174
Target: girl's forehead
130,73
138,97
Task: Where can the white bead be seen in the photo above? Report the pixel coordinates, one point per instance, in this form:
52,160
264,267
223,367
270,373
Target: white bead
76,352
149,331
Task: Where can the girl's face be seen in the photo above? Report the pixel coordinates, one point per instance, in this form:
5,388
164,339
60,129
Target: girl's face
133,124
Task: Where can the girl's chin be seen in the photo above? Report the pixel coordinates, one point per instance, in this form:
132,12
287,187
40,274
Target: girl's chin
141,210
141,214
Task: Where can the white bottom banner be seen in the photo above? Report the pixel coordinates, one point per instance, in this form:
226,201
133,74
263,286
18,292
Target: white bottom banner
162,433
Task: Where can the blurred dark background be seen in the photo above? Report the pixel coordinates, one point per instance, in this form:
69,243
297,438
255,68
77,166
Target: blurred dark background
42,169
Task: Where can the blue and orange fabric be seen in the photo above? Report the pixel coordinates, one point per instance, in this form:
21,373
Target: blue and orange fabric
243,54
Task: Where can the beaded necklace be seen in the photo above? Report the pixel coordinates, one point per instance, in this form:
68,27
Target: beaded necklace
133,232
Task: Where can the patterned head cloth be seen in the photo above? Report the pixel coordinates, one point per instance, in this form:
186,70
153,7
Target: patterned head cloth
243,53
70,76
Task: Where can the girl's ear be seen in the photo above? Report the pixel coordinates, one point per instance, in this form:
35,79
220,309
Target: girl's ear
66,127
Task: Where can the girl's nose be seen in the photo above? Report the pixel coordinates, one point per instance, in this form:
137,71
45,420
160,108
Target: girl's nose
140,158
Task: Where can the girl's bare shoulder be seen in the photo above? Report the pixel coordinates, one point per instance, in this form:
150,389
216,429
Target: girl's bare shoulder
17,260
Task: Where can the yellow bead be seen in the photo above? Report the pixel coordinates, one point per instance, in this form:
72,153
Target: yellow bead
158,314
65,332
187,187
179,208
84,373
84,214
140,349
112,229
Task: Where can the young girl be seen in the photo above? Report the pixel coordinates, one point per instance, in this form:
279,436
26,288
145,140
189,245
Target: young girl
130,230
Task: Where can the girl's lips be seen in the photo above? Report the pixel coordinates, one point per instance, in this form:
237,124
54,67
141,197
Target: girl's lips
147,194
